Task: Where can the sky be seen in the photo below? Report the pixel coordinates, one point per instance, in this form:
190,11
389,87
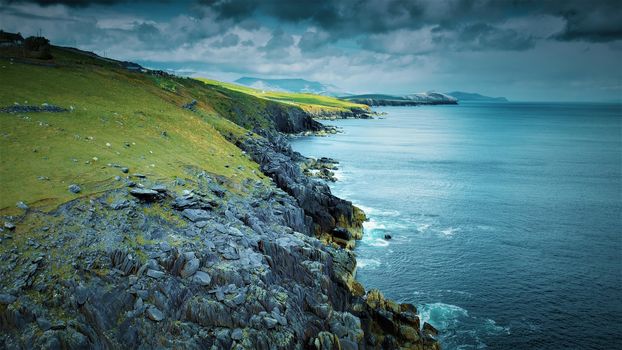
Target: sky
530,50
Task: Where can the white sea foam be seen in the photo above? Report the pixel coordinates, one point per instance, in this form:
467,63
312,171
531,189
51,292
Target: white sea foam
339,174
452,319
369,211
493,328
442,316
367,263
371,225
364,208
456,292
422,227
379,242
450,231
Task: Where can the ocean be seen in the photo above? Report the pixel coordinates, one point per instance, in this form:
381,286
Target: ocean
506,218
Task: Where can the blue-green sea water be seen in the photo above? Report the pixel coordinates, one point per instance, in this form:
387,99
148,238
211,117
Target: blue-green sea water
506,218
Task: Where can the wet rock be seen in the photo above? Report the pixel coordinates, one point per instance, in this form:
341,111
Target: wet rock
43,324
239,299
237,334
145,194
154,314
155,274
159,188
229,252
409,333
120,204
326,341
124,262
342,233
185,201
191,266
202,278
73,188
270,322
165,246
82,295
195,215
190,105
222,335
429,329
58,325
387,237
6,299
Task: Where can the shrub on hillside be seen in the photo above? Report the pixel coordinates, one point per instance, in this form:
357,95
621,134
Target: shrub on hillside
38,47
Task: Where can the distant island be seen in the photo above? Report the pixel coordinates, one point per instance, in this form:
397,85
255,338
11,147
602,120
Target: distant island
472,96
424,98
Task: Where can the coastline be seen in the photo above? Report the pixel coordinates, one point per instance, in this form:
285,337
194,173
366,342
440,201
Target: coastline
254,264
388,324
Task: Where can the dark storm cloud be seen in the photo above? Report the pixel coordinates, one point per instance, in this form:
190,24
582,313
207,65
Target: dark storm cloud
71,3
77,3
602,24
485,36
599,20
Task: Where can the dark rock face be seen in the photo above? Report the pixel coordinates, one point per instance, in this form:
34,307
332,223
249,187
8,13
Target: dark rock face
278,161
353,113
291,120
321,168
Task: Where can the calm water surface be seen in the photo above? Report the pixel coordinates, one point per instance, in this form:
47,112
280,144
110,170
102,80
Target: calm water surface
506,218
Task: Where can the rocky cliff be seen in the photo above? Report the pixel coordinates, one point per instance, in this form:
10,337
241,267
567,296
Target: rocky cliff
196,263
211,246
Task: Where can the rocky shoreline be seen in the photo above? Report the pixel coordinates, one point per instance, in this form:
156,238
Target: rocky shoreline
199,262
353,113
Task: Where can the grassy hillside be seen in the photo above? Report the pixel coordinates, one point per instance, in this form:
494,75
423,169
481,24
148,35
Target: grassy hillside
113,117
309,102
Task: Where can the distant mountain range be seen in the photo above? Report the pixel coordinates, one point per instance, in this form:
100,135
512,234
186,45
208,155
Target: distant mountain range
471,96
291,85
314,87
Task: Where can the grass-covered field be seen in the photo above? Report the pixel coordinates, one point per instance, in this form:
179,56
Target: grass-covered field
115,117
309,102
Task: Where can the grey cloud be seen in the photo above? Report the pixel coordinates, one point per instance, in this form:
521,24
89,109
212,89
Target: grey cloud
482,36
228,40
277,45
311,41
147,32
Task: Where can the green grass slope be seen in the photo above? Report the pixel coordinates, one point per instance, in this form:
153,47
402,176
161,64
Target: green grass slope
115,117
309,102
